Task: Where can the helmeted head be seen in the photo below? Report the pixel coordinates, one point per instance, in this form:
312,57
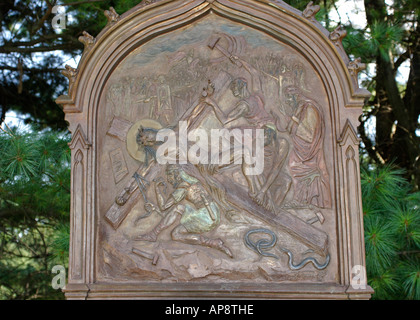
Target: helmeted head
161,79
173,174
239,87
270,134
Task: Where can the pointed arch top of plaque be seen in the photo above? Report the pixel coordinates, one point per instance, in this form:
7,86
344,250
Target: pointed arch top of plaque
141,228
149,19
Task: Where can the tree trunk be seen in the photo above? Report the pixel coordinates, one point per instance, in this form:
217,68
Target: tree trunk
396,118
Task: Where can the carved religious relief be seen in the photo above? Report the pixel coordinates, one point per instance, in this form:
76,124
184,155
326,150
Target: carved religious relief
307,164
215,164
215,218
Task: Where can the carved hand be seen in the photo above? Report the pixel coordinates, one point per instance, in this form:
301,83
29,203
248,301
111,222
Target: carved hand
290,126
123,197
208,100
120,200
159,182
150,207
213,168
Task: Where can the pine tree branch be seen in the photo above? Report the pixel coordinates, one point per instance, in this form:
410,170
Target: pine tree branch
401,59
41,22
53,179
41,39
20,255
59,47
31,70
408,252
80,2
4,110
369,147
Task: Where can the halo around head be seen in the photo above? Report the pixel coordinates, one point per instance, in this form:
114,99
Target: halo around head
134,150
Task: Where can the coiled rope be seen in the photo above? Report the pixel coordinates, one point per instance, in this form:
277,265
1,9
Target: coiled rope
305,261
260,246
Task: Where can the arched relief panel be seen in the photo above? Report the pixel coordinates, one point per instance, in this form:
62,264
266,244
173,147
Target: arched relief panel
161,83
78,210
216,65
354,206
353,211
78,205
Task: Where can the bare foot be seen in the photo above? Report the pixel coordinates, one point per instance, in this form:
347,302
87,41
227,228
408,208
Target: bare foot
218,244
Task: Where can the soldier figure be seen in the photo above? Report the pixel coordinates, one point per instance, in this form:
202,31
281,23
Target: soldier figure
202,218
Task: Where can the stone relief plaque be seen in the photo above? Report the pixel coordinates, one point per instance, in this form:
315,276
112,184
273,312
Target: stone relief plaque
217,161
256,227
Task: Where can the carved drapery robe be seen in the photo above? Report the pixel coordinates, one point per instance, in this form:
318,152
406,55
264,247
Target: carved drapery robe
307,164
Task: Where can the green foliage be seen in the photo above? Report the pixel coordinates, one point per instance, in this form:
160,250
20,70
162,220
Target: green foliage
392,228
60,244
32,53
34,211
380,39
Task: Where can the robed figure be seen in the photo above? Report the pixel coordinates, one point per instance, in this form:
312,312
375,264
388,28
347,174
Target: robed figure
306,162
